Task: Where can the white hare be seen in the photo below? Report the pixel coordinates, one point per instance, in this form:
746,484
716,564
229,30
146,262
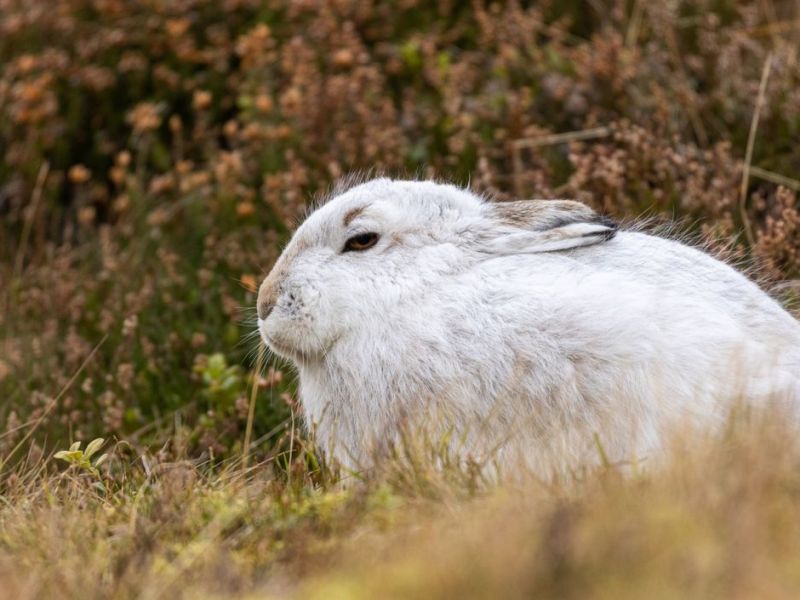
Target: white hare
530,329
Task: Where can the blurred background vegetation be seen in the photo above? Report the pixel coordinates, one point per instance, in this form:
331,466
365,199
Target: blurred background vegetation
154,156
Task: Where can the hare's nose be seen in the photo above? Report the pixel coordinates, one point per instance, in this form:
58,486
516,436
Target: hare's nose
267,297
264,308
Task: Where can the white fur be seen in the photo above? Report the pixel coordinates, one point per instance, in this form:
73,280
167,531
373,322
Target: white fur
458,320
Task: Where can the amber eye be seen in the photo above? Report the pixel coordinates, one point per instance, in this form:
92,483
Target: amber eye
362,241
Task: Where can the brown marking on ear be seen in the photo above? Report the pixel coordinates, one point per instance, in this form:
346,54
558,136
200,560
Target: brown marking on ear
542,214
514,213
352,214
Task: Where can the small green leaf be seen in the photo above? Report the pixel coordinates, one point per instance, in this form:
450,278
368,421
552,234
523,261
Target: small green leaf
75,446
71,456
93,447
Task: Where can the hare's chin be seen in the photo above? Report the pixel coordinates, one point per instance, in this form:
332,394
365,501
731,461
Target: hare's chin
286,352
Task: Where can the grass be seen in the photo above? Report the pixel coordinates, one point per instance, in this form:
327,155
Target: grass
154,157
717,517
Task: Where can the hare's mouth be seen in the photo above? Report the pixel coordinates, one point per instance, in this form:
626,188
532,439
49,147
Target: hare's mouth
293,341
286,351
279,347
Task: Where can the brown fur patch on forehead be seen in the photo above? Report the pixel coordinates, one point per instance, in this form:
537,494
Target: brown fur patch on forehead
352,214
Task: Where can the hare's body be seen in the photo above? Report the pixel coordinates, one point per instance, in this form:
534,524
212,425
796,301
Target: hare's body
535,355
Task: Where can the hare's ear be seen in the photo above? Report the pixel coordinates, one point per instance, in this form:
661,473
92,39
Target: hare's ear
529,226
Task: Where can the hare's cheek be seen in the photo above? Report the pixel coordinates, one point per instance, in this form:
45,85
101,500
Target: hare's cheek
301,313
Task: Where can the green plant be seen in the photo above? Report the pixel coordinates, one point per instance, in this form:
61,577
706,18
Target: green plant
223,383
82,459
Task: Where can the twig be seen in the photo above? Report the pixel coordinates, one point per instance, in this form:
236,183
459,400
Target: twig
559,138
634,24
271,433
251,411
36,197
776,178
291,450
14,430
751,138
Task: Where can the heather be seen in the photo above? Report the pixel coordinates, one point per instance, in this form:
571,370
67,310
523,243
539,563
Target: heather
155,156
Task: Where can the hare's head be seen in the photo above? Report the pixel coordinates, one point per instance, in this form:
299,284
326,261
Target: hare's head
382,244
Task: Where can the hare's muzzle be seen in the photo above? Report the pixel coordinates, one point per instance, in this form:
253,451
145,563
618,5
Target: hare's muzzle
267,297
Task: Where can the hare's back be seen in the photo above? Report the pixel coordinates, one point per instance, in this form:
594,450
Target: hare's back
683,270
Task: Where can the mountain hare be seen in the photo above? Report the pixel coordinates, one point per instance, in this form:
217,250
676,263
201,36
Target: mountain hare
527,332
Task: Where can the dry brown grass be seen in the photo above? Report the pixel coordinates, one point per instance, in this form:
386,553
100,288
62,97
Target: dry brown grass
154,156
717,517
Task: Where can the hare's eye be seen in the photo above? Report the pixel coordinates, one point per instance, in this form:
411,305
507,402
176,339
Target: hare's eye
362,241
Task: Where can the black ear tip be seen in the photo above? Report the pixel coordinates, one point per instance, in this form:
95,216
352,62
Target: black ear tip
607,222
611,226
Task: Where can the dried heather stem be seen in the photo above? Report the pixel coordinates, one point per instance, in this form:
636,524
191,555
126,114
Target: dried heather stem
751,138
